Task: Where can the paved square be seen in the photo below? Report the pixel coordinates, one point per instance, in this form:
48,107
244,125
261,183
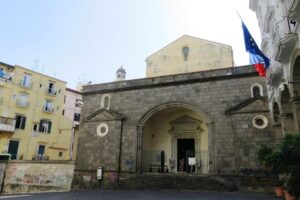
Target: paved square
143,194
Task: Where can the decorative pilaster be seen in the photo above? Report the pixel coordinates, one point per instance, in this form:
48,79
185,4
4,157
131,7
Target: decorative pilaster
212,161
139,158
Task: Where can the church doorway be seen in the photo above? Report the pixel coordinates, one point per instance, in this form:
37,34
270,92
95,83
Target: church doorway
185,150
179,133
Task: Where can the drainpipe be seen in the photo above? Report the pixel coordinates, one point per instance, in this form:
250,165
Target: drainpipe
120,149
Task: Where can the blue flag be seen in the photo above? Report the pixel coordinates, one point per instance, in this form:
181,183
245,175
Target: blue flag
257,58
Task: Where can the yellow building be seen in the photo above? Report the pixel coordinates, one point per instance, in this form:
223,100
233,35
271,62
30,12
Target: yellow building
189,54
31,121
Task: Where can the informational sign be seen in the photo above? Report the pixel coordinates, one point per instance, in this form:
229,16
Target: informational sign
99,173
192,161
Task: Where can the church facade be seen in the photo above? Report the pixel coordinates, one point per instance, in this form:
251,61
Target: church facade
204,122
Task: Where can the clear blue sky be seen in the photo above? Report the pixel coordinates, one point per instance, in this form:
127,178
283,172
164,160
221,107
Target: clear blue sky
88,40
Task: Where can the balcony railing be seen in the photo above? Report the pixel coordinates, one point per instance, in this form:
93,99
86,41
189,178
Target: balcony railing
22,103
25,84
51,91
285,27
285,39
48,109
7,124
293,9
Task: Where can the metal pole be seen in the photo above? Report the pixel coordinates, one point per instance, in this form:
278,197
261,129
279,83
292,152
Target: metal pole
120,149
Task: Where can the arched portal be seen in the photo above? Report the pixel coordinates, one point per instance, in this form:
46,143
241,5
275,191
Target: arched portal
276,114
181,131
295,88
287,117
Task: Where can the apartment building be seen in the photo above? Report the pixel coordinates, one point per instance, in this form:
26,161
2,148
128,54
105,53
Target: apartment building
72,110
31,123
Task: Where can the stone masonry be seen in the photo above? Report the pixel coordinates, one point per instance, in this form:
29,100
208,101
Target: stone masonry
220,96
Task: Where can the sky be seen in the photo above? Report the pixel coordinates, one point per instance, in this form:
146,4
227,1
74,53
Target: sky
88,40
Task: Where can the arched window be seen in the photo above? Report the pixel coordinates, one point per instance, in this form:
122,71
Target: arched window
105,101
256,90
185,51
276,112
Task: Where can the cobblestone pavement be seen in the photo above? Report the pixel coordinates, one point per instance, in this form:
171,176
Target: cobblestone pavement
142,194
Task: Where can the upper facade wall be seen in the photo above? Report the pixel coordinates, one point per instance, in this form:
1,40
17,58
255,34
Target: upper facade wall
189,54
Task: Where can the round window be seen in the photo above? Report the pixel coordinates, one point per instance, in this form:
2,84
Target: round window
260,121
102,129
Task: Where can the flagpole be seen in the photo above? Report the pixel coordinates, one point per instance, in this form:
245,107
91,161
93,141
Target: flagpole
239,15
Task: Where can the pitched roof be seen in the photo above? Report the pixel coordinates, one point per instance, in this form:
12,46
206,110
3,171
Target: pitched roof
209,41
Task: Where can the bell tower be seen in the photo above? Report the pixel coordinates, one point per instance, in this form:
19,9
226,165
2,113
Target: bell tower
120,74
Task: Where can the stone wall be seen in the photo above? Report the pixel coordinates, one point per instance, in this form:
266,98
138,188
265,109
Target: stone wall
201,55
37,176
211,92
2,170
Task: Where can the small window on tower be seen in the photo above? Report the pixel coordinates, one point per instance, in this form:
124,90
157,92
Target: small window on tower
185,51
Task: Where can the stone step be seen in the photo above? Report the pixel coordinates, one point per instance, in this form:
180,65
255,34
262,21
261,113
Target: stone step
156,181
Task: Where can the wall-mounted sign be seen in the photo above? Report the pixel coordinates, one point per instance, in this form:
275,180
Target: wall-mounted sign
99,173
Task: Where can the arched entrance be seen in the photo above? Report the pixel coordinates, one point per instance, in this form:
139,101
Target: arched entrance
178,132
287,111
295,88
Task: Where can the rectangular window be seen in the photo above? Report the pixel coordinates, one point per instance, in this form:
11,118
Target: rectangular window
48,106
20,122
1,95
26,81
63,112
77,117
45,126
22,100
65,99
51,89
35,127
41,150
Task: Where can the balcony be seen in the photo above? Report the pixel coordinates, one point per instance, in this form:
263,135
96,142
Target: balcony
51,91
25,84
275,74
22,103
48,109
7,124
294,9
285,39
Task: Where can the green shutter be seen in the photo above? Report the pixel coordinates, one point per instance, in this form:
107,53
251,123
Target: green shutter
49,126
41,125
23,122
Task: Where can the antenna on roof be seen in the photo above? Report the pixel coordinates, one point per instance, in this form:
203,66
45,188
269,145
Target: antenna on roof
36,63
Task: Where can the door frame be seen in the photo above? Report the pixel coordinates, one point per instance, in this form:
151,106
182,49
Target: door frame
17,148
186,160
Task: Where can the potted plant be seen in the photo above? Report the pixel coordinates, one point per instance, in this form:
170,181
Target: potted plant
293,184
279,190
287,161
264,156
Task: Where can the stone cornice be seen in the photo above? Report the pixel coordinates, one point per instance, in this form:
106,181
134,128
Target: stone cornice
178,79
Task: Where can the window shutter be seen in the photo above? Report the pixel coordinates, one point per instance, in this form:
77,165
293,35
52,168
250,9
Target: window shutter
23,122
41,126
17,121
49,126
